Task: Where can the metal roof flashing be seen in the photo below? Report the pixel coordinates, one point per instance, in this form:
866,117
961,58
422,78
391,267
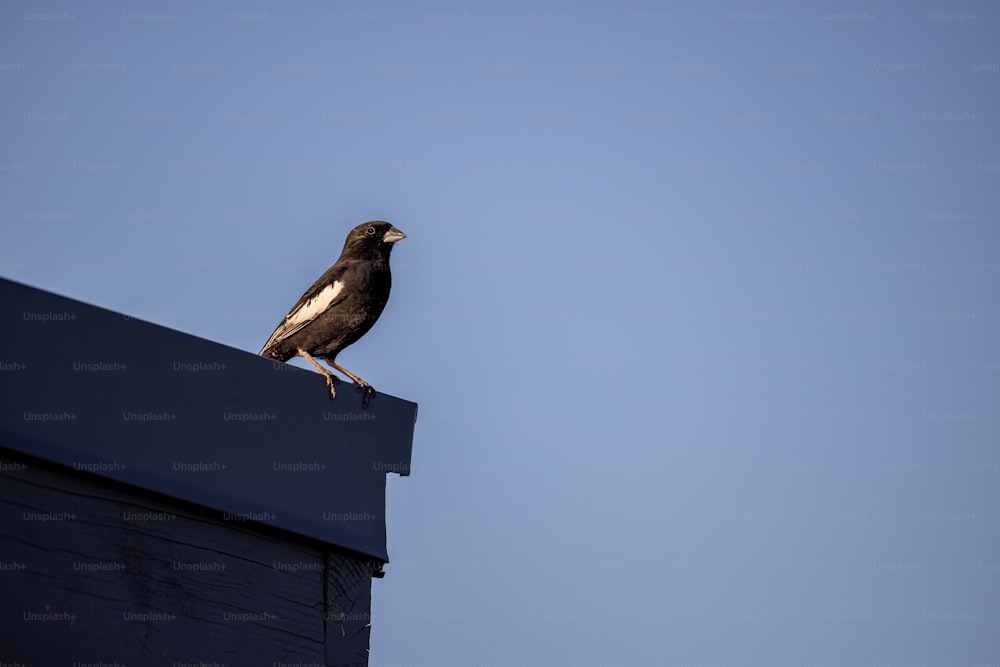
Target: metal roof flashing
162,410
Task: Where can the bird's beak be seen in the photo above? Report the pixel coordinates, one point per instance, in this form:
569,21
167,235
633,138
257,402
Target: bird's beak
393,235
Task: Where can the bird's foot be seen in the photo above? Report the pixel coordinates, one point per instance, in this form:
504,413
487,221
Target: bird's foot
331,382
367,393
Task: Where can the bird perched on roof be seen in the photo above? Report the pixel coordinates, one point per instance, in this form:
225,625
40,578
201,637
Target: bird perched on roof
341,306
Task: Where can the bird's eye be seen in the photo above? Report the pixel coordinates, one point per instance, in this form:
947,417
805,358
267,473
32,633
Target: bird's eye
370,231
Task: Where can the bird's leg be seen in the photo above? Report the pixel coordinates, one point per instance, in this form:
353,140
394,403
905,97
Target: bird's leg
349,374
367,389
331,379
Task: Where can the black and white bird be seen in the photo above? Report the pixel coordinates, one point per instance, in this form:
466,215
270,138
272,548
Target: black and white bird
341,306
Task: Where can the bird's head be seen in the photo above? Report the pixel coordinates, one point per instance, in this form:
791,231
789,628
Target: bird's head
372,240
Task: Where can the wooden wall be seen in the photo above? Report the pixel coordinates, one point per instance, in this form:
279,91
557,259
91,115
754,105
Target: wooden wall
96,571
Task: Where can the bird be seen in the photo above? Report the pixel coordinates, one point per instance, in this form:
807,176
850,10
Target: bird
341,306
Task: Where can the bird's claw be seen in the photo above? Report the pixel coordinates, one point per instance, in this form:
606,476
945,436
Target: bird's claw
367,393
331,382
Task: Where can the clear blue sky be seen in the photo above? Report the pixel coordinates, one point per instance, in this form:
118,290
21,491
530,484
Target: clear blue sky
699,300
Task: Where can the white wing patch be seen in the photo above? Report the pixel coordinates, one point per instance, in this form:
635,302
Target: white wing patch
306,313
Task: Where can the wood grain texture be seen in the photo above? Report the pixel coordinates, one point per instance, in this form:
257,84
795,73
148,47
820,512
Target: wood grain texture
348,614
92,572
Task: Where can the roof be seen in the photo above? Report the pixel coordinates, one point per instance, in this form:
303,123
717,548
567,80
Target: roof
165,411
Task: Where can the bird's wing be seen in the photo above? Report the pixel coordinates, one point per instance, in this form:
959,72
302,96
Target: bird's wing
327,292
